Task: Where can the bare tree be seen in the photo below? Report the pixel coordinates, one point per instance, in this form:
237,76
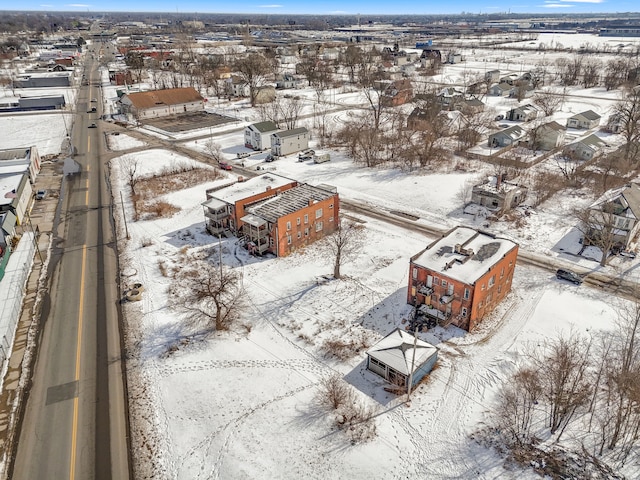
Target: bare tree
290,110
214,150
211,295
549,101
598,224
253,69
591,73
130,167
345,243
627,113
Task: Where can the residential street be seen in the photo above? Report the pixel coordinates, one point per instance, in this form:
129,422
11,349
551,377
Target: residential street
74,423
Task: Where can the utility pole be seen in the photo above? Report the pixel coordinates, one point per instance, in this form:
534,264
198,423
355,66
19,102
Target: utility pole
124,216
413,361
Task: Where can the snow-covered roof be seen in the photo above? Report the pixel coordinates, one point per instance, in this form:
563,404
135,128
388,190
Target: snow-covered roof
396,351
589,115
254,220
251,187
490,185
289,201
628,197
9,183
214,204
477,253
514,132
291,133
263,127
593,141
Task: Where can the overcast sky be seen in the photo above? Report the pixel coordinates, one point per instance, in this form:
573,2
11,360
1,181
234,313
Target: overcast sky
338,7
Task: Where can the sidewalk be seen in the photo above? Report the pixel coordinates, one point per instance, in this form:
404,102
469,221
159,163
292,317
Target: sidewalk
16,380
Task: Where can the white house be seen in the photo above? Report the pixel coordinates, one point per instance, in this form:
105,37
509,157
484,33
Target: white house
289,141
258,135
586,120
399,356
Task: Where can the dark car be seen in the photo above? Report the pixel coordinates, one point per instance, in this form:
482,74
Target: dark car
569,276
41,194
93,125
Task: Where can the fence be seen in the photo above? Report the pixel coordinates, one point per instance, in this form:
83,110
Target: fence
13,287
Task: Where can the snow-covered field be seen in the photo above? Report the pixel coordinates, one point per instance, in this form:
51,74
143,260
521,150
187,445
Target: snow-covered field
242,404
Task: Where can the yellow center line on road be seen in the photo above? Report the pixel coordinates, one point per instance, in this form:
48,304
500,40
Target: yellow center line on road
74,433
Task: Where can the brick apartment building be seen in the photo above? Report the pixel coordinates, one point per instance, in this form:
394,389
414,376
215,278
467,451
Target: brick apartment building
273,214
461,277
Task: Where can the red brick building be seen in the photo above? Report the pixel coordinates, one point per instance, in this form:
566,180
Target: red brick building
272,213
461,277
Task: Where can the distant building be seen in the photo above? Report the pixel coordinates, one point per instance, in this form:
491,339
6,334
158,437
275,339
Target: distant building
161,103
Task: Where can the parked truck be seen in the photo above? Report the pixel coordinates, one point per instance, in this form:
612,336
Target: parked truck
321,157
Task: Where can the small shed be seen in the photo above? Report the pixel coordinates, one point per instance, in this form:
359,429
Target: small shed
393,358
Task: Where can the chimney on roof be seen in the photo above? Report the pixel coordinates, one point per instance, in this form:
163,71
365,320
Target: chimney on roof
268,188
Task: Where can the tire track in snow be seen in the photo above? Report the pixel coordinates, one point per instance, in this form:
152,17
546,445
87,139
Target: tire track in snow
472,373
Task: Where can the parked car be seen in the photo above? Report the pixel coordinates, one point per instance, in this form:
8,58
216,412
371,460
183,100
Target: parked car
499,117
270,158
242,154
93,125
41,194
225,166
569,276
306,154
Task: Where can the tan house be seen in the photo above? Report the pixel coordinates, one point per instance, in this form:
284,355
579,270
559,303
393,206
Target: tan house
619,211
547,136
161,103
586,148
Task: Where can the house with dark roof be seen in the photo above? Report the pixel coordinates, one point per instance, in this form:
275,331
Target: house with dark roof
586,120
161,103
460,278
400,356
618,209
500,89
258,135
289,141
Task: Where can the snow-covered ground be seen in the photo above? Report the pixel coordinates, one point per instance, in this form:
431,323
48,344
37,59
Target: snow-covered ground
241,404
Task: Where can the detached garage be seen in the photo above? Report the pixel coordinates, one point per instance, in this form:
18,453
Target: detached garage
393,358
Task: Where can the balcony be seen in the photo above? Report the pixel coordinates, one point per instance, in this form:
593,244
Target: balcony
216,215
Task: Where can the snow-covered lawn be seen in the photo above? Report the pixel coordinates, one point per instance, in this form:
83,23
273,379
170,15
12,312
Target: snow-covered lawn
46,131
242,404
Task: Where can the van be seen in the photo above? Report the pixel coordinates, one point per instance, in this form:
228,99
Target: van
321,158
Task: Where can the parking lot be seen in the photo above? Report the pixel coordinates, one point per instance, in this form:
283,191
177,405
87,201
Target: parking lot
189,121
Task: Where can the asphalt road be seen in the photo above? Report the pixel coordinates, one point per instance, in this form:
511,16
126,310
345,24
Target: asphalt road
75,419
